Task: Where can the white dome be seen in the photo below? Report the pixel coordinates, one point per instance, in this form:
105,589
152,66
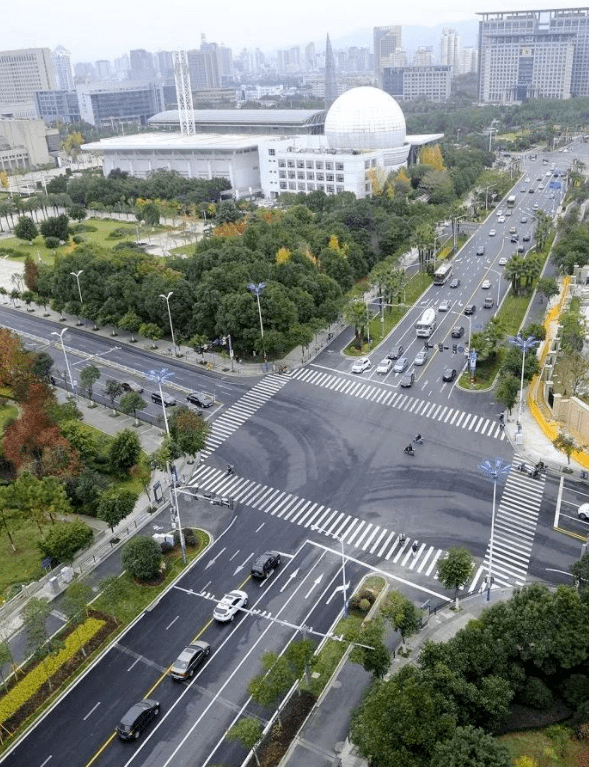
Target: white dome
365,118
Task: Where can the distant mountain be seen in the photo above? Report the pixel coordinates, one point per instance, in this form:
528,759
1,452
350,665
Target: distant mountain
413,37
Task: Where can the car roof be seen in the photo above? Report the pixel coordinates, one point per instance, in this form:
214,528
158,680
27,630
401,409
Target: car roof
134,711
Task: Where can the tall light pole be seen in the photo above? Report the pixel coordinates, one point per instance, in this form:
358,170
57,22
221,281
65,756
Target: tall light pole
159,377
344,584
67,364
167,300
525,345
498,282
257,290
77,276
495,470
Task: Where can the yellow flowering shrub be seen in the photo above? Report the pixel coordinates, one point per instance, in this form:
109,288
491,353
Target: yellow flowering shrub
29,685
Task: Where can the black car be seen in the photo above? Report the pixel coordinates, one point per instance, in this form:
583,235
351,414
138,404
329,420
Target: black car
407,380
169,401
526,238
457,331
514,238
396,352
200,398
265,564
137,718
455,283
449,374
189,659
470,309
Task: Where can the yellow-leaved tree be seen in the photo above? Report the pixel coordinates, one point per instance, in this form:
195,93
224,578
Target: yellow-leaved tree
72,143
432,156
282,255
526,761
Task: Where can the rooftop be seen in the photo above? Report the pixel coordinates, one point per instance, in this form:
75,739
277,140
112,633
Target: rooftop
244,117
167,141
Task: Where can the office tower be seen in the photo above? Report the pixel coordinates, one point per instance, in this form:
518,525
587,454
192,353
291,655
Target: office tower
109,104
387,41
450,49
62,106
103,69
142,67
204,69
122,66
469,60
165,64
23,73
63,69
533,54
330,82
310,57
423,57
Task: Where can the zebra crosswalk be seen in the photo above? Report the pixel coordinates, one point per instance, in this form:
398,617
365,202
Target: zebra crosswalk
516,519
383,543
236,415
389,397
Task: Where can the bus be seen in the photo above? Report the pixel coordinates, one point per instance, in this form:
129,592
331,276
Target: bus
426,324
442,274
511,201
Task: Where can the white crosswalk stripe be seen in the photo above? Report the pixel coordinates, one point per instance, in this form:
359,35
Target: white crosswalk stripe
236,415
516,519
480,424
355,532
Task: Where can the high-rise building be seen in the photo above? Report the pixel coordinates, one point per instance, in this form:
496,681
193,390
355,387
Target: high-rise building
142,65
103,69
109,104
387,42
23,73
310,63
330,82
450,49
62,106
204,69
63,69
469,60
423,57
533,54
432,83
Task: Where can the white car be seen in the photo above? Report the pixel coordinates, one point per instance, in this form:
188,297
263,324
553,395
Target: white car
361,365
492,233
420,357
536,206
540,186
384,366
501,220
502,261
486,284
444,306
527,179
229,606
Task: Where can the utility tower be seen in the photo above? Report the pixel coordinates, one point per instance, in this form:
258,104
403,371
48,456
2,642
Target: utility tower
184,93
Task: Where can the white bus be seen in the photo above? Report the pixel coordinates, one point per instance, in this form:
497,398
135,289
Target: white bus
426,324
511,201
442,273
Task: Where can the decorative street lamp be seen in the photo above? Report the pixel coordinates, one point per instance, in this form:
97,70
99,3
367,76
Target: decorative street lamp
159,377
495,470
77,276
167,300
67,365
525,345
344,584
257,290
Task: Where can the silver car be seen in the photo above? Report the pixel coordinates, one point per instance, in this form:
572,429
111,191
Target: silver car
401,365
420,358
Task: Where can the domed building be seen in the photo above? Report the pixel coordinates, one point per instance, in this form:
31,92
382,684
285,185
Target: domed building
365,118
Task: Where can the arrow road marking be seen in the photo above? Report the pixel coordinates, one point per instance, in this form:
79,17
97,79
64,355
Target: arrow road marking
240,567
314,586
233,557
214,559
290,578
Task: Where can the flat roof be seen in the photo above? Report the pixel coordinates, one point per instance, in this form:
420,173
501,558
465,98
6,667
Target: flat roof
167,141
244,116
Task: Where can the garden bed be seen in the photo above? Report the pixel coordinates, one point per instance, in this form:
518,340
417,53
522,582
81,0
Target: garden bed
277,741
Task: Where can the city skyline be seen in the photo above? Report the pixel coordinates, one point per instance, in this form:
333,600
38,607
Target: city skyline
116,28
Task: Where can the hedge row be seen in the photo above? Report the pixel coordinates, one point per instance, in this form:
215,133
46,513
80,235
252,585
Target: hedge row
27,687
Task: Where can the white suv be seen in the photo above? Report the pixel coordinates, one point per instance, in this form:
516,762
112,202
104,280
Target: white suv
229,606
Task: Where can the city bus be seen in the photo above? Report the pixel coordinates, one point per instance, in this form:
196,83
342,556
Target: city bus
511,201
442,274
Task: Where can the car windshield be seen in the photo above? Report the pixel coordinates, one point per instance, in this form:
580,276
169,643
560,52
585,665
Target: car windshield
180,664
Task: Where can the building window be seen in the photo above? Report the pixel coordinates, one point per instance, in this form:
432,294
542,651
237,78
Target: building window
340,178
366,164
282,163
283,184
373,163
320,177
339,166
339,189
272,152
300,174
292,185
319,165
329,189
329,176
291,164
300,164
328,166
282,174
291,174
310,176
309,164
311,187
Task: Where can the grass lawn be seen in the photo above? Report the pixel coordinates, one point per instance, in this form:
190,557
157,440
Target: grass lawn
22,565
7,412
546,751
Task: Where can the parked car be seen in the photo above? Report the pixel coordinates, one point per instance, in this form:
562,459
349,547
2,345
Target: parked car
229,606
396,352
265,564
583,512
401,365
189,660
449,374
168,400
361,365
131,386
407,380
457,331
137,718
420,357
384,366
200,398
444,306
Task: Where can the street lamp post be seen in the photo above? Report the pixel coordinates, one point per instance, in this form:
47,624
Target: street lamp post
455,221
257,290
495,470
67,364
339,538
159,377
525,345
167,300
498,281
77,276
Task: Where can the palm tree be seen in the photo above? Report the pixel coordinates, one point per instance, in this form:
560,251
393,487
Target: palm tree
356,314
514,271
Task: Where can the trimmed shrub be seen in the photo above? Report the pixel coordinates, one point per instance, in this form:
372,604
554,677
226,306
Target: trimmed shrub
536,694
165,546
51,242
142,557
77,238
64,539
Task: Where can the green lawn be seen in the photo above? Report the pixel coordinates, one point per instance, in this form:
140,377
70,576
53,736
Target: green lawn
546,751
22,565
7,412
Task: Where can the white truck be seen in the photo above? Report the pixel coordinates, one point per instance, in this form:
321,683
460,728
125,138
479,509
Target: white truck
426,324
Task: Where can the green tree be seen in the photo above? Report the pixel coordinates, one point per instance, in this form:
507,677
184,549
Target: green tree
35,614
75,605
142,557
114,505
402,613
26,229
507,391
124,451
56,226
455,569
72,143
375,656
77,212
131,402
6,657
151,331
566,444
548,286
580,571
248,732
113,389
112,589
88,377
356,314
65,539
268,688
189,430
471,747
42,365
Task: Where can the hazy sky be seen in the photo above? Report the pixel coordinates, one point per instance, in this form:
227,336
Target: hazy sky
109,28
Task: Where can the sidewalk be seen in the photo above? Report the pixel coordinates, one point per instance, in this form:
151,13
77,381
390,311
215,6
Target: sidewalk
323,739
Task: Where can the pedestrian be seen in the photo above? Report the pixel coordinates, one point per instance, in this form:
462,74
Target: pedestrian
414,546
402,538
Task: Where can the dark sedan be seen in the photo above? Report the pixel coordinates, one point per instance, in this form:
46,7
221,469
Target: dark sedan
449,374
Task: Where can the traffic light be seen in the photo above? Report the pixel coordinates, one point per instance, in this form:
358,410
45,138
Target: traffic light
454,348
440,347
